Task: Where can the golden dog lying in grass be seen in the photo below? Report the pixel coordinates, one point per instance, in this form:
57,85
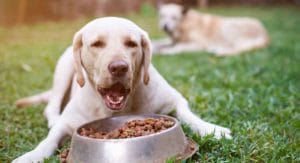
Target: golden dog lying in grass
190,30
113,75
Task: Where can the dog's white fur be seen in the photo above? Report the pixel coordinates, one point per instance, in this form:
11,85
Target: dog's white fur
190,30
150,93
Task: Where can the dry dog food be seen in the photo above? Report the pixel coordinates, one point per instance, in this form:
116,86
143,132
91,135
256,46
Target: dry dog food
134,128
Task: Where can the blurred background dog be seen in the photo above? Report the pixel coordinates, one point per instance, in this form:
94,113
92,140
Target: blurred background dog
189,30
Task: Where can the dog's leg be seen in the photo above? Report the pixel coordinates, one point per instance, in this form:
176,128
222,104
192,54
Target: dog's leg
160,44
220,50
63,75
36,99
168,98
179,48
47,147
185,115
73,115
243,46
174,100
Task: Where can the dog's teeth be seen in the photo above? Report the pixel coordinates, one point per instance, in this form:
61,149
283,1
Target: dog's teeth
108,97
112,101
120,98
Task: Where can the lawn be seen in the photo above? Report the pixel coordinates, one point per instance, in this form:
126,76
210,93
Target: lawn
256,94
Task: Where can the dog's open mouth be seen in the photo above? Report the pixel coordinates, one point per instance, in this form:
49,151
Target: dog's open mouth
115,96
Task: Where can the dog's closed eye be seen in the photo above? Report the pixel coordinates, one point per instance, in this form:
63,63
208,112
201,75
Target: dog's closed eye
130,44
98,44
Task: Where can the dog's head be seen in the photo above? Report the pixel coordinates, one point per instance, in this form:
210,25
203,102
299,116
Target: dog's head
115,54
170,16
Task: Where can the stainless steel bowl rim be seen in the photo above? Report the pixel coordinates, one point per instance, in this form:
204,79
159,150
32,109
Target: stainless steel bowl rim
156,147
129,139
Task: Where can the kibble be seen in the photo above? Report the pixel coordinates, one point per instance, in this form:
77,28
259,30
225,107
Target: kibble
134,128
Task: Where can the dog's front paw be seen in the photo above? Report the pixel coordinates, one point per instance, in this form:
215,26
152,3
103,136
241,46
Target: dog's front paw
219,132
216,130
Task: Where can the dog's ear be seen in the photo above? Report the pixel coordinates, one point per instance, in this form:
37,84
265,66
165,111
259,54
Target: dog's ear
77,45
185,9
147,55
158,4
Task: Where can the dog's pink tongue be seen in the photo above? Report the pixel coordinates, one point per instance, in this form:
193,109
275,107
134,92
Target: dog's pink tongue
116,92
115,95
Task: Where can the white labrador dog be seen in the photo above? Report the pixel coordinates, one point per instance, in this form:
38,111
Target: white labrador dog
114,76
190,30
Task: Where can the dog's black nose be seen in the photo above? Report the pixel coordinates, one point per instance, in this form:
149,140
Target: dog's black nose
118,68
166,28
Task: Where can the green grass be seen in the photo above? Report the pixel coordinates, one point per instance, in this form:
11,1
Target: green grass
256,94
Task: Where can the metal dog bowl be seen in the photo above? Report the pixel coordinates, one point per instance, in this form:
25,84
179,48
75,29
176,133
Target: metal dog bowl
157,147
